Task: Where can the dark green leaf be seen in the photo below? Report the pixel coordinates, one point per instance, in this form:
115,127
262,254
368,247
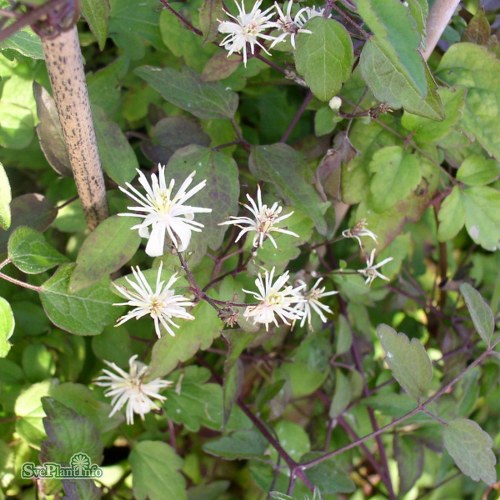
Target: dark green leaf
397,174
285,168
38,363
240,445
233,379
187,91
471,449
344,335
210,13
7,324
32,210
106,249
117,156
68,433
394,88
50,133
5,199
324,57
328,476
341,396
480,312
155,467
83,313
30,252
397,37
409,455
408,361
220,194
190,338
96,13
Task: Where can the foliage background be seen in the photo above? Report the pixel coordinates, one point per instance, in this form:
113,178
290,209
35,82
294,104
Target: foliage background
416,155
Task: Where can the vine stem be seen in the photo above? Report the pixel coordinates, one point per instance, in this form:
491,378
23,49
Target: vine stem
438,19
20,283
297,116
406,416
64,63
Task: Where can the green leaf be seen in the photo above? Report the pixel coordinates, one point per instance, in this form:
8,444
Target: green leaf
96,13
397,37
344,335
478,70
5,199
397,174
50,133
117,156
187,91
28,409
471,449
328,476
240,445
25,42
451,215
7,324
408,361
285,168
409,455
106,249
30,252
419,10
38,363
426,130
83,313
155,467
476,170
293,438
190,338
32,210
210,13
324,57
393,87
233,380
220,194
342,395
68,433
482,215
480,312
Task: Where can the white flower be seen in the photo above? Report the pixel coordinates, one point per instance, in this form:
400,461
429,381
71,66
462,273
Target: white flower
312,303
308,13
371,271
288,25
131,389
264,221
274,300
247,29
163,212
360,229
335,102
161,304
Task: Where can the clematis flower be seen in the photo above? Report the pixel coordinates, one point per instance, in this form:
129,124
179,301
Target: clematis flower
371,270
165,213
162,304
288,25
359,229
247,28
264,221
275,299
131,390
312,303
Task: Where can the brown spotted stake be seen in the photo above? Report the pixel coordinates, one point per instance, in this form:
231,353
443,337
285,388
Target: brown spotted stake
63,58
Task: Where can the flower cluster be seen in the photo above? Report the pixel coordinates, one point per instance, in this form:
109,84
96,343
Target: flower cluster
246,28
131,389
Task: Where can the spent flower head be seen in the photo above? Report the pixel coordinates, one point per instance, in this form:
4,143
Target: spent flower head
164,212
359,229
275,299
130,389
162,304
312,303
264,221
288,25
371,272
246,28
